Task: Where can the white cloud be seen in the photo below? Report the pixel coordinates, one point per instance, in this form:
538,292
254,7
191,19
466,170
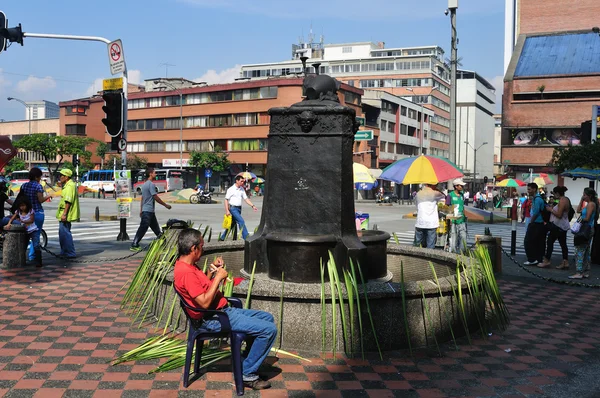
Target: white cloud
34,85
134,75
225,76
352,9
3,81
498,83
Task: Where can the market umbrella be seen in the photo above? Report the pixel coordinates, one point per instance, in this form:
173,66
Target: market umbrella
259,180
362,177
541,182
583,172
247,175
423,169
511,182
7,151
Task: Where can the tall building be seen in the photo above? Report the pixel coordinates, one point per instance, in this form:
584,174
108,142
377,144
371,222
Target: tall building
417,73
498,168
475,105
41,110
551,82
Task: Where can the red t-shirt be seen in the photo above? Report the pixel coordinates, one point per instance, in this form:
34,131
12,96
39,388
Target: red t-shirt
191,282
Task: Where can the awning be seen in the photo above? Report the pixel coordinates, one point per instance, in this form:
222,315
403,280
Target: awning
376,173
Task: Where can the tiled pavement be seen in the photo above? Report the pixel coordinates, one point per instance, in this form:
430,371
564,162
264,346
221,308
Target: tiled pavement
59,327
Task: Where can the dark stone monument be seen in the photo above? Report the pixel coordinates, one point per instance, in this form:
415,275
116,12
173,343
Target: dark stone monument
15,247
308,208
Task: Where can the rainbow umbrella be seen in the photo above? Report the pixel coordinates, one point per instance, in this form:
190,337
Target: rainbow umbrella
259,180
362,177
511,182
542,182
247,175
423,169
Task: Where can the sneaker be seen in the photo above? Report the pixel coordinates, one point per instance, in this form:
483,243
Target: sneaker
135,249
257,384
534,262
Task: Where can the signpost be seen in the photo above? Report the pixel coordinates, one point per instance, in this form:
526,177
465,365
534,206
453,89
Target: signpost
360,120
124,199
207,174
363,135
116,58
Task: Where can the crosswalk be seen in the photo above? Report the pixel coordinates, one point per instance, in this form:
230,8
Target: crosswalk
106,232
503,231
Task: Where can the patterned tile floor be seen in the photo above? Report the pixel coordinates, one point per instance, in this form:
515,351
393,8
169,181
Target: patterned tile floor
60,326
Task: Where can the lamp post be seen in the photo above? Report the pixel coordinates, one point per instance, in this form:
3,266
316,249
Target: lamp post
27,108
172,87
422,125
475,161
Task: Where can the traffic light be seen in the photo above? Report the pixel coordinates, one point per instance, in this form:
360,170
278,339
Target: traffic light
11,34
114,142
485,180
75,160
113,108
4,25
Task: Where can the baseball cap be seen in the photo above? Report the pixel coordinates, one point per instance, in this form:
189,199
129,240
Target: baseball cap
458,181
66,172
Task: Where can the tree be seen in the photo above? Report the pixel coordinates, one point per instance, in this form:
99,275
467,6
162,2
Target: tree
54,149
15,164
101,151
571,157
134,162
215,160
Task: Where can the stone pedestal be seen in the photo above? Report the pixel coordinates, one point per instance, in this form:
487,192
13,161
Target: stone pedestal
15,247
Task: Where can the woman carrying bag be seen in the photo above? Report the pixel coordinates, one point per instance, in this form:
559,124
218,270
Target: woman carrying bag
558,226
584,231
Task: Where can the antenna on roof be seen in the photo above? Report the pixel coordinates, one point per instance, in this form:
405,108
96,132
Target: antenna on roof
166,65
311,36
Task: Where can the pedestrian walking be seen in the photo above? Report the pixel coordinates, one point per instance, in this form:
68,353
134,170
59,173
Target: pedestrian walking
557,227
34,192
466,195
67,213
147,210
535,237
588,207
233,204
428,219
458,230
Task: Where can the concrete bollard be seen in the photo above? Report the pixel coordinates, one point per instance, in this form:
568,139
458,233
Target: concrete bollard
97,214
494,246
15,247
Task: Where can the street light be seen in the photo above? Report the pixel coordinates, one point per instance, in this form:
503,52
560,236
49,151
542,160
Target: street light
422,120
27,108
475,160
169,85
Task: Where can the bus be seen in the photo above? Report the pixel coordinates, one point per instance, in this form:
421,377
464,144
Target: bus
166,180
18,178
99,180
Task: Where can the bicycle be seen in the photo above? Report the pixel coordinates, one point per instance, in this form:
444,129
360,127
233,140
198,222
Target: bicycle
43,240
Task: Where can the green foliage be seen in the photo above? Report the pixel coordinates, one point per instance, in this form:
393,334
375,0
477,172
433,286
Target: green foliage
15,164
101,150
54,149
134,162
216,160
570,157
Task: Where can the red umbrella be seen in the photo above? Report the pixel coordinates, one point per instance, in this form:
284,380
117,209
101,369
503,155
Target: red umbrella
7,151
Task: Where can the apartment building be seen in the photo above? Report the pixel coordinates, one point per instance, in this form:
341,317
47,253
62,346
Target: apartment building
233,117
41,110
416,73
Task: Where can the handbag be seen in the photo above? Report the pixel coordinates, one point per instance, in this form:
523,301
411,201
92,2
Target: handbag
227,221
575,228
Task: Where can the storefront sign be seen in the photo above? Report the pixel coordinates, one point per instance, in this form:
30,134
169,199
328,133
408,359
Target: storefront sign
175,163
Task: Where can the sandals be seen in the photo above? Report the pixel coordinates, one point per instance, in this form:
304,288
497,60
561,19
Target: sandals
576,276
544,265
563,266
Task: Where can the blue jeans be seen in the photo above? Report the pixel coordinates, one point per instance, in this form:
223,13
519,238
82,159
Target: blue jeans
260,326
39,222
67,247
148,220
236,214
425,237
458,237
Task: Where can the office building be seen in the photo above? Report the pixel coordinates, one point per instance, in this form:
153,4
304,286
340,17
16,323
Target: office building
41,110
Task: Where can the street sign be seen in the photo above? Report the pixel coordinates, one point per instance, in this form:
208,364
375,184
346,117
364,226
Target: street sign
360,120
112,84
363,135
208,173
122,145
116,57
123,191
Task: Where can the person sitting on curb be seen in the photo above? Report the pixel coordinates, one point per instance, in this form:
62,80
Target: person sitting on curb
201,290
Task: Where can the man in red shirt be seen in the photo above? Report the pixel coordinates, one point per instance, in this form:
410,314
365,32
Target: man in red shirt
201,290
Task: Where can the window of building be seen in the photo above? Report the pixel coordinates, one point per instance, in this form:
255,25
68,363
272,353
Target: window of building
346,50
412,114
135,147
200,146
172,100
196,121
172,146
403,110
136,103
155,102
219,121
155,146
245,119
403,129
382,145
75,129
76,110
155,124
391,127
351,83
383,125
173,123
247,145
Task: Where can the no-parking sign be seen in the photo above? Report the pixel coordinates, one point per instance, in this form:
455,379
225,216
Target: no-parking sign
116,57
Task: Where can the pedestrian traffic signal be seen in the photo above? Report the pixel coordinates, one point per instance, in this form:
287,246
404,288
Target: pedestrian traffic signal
75,160
113,108
11,34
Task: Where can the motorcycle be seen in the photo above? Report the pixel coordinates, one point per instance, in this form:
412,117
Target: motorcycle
203,196
386,197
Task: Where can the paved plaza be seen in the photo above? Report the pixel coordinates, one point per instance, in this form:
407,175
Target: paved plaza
61,325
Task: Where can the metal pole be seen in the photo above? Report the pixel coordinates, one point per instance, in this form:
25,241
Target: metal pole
453,62
123,236
180,130
474,167
513,233
422,126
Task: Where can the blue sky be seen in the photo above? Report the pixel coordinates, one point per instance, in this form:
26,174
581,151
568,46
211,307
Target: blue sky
209,39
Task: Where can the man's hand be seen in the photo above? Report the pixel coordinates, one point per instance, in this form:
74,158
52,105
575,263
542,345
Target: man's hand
168,206
227,213
220,274
218,262
63,218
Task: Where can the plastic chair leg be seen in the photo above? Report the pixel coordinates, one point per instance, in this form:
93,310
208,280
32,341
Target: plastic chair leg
188,359
236,361
199,347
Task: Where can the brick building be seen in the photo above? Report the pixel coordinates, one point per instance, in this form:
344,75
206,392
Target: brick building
230,116
552,81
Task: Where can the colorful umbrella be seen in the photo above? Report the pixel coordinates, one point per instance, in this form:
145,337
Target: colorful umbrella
362,177
247,175
259,180
583,172
423,169
542,182
511,182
